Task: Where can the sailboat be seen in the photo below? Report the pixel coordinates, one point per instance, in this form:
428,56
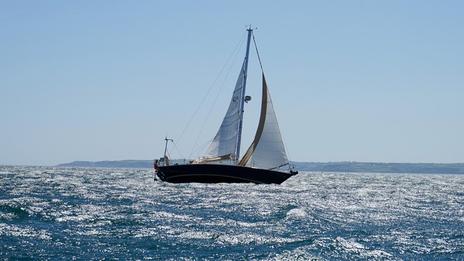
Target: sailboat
264,162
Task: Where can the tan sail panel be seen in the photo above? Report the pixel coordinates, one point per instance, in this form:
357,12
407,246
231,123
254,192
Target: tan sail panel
267,150
262,118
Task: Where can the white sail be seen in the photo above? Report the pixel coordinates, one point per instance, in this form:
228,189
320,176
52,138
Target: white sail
267,150
224,144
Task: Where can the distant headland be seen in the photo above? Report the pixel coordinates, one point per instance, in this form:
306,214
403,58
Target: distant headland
348,166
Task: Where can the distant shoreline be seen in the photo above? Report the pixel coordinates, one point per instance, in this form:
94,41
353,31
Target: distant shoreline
379,167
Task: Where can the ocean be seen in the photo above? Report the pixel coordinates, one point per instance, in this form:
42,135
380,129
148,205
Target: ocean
72,213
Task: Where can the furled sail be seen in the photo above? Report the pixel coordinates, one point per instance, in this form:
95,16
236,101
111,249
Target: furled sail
224,144
267,151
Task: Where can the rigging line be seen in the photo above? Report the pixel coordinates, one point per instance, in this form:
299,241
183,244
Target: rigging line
198,149
177,149
212,107
210,88
261,65
226,76
288,163
257,53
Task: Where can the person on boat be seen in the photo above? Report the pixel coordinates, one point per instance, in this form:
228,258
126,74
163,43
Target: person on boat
155,164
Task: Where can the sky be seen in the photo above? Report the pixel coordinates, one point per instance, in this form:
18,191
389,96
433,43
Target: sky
350,80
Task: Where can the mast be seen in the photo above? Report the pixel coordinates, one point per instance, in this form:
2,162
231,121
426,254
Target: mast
242,98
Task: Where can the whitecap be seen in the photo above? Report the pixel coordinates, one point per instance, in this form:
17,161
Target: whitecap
296,213
351,245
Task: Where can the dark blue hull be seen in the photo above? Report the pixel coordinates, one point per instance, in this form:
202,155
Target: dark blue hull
215,173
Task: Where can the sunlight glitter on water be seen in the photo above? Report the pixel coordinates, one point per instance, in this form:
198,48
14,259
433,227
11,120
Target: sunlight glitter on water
123,213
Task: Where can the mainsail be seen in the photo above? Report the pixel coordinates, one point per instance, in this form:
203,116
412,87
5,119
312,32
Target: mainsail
267,151
224,144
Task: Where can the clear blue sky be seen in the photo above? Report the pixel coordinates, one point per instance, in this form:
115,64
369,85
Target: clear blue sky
350,80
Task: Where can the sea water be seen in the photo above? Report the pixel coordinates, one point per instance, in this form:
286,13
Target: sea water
71,213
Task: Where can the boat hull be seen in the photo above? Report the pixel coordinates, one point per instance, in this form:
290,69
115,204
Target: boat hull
215,173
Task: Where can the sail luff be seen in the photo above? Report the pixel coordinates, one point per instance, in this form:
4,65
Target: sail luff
262,118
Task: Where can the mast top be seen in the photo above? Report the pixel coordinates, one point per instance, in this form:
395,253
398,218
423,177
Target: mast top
250,28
